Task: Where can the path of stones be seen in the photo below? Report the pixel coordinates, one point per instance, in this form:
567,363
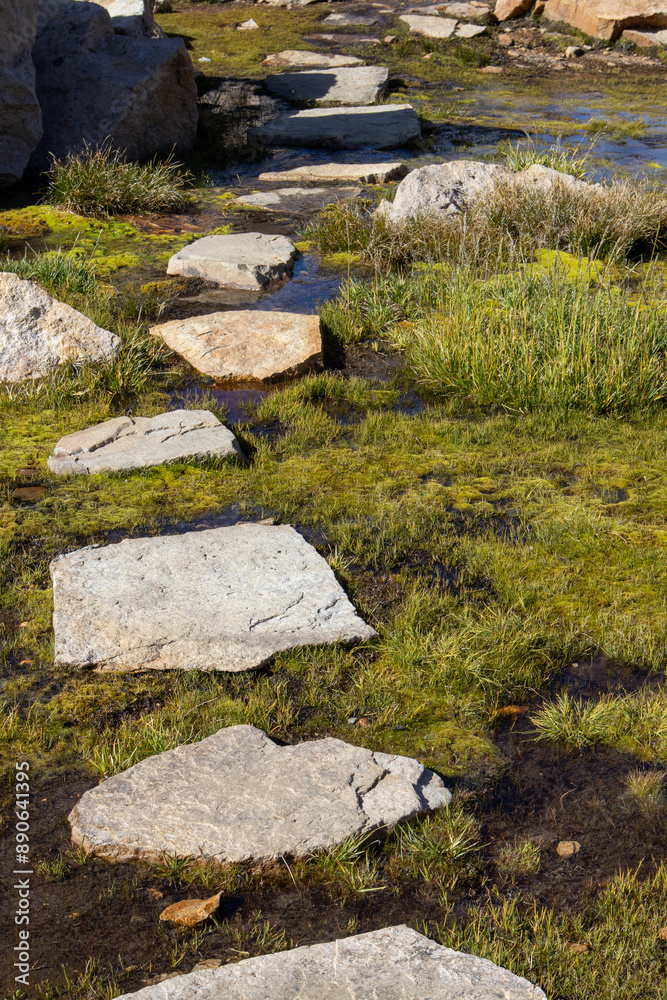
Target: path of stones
231,598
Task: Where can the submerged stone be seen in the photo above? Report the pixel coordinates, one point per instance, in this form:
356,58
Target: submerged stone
139,442
383,126
395,963
244,260
238,796
222,599
248,344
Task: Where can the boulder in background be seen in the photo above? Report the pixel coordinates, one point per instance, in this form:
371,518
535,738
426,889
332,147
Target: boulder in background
20,114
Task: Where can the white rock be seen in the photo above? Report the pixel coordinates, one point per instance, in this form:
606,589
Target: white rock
20,114
347,20
366,173
296,200
243,260
464,10
383,126
131,17
138,442
350,85
442,189
221,599
302,57
395,963
94,86
238,796
431,27
248,344
38,333
470,30
250,25
541,178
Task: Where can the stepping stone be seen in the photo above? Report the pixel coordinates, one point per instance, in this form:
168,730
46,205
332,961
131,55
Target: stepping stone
470,30
238,796
296,200
246,344
338,39
299,57
244,260
38,333
465,10
347,20
221,599
431,27
395,963
365,173
139,442
352,85
342,128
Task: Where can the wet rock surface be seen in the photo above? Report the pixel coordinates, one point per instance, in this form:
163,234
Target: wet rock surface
38,333
225,599
244,260
239,796
139,442
246,344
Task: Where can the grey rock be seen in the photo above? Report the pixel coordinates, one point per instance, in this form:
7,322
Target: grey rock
303,57
96,86
467,11
338,38
395,963
250,345
20,114
442,189
383,126
139,442
238,796
644,39
431,27
299,201
365,173
470,30
38,333
228,109
131,17
541,178
221,599
244,260
350,85
347,20
574,51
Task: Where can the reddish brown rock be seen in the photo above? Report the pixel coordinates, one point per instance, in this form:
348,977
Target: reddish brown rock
608,19
507,9
189,912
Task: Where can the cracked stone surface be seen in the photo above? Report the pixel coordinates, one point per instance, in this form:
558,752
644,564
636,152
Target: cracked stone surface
395,963
238,796
38,333
244,260
246,344
366,173
352,85
297,200
223,599
139,442
381,126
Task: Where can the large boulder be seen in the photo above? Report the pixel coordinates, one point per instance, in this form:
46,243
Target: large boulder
381,126
20,114
132,17
94,85
221,599
608,18
138,442
248,344
228,110
38,333
351,85
442,189
238,796
394,963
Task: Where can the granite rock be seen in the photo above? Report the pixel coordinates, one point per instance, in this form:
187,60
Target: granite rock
608,18
364,173
220,599
302,57
297,201
430,27
382,127
243,260
349,85
248,344
38,333
139,442
395,963
238,796
20,113
442,189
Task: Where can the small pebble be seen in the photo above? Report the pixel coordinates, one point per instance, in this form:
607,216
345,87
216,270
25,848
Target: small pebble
568,848
203,59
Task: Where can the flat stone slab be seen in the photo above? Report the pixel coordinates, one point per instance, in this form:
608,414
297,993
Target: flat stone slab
303,57
382,126
395,963
347,20
365,173
238,796
431,27
244,260
222,599
38,333
139,442
296,200
470,30
645,39
349,85
246,344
